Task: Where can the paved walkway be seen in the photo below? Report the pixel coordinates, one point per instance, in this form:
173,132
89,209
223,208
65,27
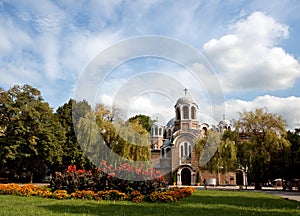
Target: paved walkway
291,195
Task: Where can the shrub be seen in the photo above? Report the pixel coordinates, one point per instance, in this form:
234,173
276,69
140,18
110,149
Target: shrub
60,194
84,194
173,194
104,178
25,190
135,196
110,195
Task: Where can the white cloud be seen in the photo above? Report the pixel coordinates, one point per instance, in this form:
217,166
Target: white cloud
12,38
287,107
248,58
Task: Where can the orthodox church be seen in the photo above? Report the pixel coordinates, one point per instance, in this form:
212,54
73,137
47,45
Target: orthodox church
172,146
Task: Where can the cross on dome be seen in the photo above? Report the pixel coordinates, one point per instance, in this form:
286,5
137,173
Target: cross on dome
185,91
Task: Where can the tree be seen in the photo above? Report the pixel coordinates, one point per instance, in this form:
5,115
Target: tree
72,152
263,143
102,136
32,136
294,138
143,120
218,150
128,139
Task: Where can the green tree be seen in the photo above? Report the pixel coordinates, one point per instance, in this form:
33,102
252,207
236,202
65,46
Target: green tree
144,120
72,152
218,150
32,137
128,139
294,138
263,143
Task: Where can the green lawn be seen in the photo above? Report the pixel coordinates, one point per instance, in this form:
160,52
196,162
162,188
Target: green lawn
200,203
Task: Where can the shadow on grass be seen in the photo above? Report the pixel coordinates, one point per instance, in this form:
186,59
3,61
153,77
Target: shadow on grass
201,203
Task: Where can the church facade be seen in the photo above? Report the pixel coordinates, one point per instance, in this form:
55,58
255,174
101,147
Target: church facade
172,147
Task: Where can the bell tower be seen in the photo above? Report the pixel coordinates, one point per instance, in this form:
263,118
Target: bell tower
186,113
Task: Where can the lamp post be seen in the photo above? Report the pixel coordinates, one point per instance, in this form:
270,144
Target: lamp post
246,180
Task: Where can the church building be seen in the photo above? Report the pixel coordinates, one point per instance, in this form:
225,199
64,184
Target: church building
172,146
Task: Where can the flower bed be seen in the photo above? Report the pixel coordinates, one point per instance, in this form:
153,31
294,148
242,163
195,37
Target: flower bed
104,178
170,195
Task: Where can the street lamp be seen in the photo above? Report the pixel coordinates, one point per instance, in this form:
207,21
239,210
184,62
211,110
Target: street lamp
246,180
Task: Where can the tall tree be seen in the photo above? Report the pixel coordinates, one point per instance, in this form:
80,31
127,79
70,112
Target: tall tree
219,150
72,152
144,120
264,142
294,138
128,139
32,136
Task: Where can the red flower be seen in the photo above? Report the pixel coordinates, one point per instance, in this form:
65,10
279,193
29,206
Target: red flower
112,174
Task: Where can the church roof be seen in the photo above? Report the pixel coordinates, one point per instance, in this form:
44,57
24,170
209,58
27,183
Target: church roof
171,122
185,99
224,122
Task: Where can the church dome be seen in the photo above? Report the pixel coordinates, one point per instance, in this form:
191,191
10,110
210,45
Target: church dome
184,99
224,122
171,122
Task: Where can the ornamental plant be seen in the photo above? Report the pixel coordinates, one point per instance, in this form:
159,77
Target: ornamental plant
171,195
104,178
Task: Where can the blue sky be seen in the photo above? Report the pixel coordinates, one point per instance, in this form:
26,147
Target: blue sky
252,46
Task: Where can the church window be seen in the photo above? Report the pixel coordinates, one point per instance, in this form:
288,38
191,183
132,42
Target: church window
185,152
178,114
156,131
169,133
152,131
193,114
181,151
185,112
185,148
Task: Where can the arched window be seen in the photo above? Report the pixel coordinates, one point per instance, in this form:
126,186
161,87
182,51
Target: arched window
186,153
152,131
193,113
181,151
156,131
178,113
185,112
160,131
169,133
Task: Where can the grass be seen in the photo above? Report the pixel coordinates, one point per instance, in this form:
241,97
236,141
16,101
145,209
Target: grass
200,203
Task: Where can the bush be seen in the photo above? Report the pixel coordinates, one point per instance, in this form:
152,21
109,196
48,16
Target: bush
25,190
136,196
60,194
102,179
171,195
84,194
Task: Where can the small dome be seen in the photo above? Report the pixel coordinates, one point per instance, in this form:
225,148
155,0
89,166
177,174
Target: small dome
224,122
156,124
184,99
170,122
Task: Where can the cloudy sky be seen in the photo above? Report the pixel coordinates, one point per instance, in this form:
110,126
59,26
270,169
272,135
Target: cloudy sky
251,47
